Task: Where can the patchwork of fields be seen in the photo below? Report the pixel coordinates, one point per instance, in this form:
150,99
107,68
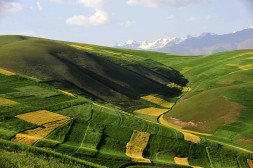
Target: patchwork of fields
115,124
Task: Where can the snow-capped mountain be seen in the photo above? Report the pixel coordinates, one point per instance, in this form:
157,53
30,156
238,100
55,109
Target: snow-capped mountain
206,43
130,44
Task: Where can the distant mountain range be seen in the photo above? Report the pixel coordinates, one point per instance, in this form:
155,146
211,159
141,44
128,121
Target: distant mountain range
206,43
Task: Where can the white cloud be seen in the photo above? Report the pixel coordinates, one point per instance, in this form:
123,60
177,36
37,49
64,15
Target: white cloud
10,6
163,3
127,23
192,19
99,18
170,17
39,6
96,4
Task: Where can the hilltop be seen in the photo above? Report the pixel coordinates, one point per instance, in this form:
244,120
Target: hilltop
94,106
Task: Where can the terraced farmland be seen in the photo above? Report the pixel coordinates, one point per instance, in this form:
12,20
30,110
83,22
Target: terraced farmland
96,106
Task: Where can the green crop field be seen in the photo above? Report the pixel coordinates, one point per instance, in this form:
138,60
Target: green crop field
65,104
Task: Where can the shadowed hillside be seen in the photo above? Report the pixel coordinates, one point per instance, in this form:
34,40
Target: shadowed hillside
93,75
92,106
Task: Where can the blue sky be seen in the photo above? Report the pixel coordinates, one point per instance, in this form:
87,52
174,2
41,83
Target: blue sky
106,22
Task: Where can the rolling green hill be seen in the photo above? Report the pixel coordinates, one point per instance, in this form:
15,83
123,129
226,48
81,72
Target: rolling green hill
220,101
92,106
94,75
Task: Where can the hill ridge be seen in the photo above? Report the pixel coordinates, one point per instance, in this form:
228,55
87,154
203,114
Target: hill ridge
100,132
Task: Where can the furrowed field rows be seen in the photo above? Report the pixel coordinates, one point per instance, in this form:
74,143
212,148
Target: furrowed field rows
41,117
191,137
158,101
7,102
29,137
185,69
55,137
182,161
136,145
37,91
121,135
126,120
152,111
48,121
91,139
222,158
242,67
250,163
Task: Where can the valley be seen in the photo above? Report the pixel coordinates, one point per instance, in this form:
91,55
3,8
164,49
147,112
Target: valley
98,106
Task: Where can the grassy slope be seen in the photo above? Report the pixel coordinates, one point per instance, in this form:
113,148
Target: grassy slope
221,95
99,134
22,159
72,139
92,74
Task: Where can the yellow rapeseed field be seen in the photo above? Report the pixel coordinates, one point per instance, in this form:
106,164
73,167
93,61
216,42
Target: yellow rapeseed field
183,161
5,72
158,101
70,94
7,102
128,55
136,145
152,111
250,163
80,47
243,67
191,137
41,117
49,121
250,58
174,85
186,89
29,137
168,124
114,53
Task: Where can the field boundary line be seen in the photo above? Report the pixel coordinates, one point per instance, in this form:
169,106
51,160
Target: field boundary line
209,158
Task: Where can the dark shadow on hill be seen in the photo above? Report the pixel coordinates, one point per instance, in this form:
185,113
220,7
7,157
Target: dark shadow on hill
125,85
88,73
